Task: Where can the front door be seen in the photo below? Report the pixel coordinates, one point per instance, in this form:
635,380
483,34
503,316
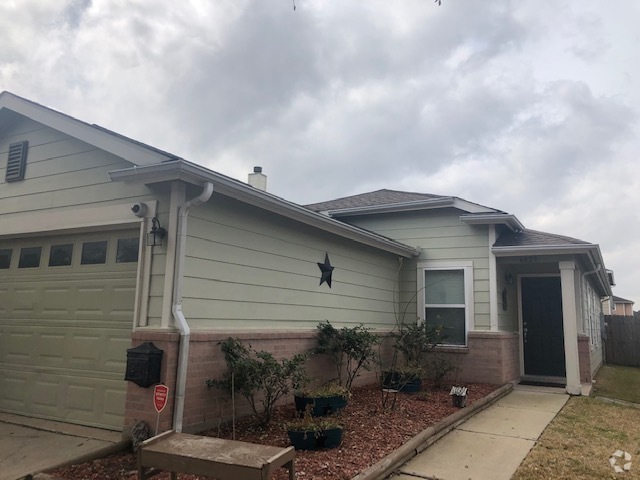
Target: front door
542,330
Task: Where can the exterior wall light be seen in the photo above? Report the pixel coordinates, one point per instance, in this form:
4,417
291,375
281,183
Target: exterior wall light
157,233
508,277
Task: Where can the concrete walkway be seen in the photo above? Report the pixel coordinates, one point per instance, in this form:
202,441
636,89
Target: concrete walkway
29,445
492,444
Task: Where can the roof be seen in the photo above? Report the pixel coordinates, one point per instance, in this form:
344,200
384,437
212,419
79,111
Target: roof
392,201
532,238
198,175
131,150
378,197
533,242
621,300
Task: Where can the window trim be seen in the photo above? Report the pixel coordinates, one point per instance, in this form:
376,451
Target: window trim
467,268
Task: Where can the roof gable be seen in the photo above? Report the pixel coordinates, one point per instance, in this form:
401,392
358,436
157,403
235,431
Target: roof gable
133,151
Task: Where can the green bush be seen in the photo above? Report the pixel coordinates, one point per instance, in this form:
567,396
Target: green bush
349,348
259,377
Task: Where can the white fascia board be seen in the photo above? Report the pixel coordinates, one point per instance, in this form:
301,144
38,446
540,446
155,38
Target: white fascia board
443,202
507,219
100,138
196,174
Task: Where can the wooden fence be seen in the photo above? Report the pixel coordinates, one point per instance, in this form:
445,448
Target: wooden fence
622,340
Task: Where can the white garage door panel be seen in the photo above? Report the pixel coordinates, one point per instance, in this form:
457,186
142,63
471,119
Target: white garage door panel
64,332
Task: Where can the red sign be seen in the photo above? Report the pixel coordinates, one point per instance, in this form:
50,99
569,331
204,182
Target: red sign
160,397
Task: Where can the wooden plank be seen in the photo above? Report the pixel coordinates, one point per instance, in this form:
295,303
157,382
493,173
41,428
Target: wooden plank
215,457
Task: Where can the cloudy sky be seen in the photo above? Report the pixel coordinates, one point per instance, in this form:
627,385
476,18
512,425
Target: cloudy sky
527,106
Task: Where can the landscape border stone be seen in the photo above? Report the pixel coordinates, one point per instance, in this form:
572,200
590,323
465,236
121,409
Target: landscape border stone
383,468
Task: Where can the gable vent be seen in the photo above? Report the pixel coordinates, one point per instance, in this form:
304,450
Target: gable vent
17,161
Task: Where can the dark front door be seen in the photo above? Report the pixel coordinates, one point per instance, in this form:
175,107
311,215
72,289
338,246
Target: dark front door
542,331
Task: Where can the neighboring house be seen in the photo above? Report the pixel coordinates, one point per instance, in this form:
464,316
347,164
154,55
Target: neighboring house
617,306
80,279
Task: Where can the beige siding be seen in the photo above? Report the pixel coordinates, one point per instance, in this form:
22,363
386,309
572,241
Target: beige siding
64,175
442,236
249,269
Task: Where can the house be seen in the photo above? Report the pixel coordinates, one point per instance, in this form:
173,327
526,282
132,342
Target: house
615,305
107,243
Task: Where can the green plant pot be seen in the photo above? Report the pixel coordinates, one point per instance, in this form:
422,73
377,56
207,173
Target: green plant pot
314,440
397,381
321,405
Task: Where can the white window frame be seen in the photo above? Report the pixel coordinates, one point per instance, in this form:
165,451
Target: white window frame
467,268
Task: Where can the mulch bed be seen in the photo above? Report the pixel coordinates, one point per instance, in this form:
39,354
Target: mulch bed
370,433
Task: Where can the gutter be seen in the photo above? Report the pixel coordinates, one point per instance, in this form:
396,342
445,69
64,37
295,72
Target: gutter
176,308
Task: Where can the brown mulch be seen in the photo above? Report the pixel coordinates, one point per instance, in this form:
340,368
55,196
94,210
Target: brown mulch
370,433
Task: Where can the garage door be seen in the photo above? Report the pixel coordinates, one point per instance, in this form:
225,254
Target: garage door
66,314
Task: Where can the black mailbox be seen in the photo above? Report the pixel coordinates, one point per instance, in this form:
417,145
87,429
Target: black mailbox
143,364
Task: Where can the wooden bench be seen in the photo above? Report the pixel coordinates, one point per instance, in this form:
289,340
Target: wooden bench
215,457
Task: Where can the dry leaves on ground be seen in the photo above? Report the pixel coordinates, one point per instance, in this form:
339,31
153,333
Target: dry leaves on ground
370,433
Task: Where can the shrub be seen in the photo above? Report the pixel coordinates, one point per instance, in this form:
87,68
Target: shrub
259,377
349,348
414,340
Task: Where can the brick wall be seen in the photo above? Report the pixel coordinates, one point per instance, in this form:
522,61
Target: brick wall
139,401
584,358
490,357
204,407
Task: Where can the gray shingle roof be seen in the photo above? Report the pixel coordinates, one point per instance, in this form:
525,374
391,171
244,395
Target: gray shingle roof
621,300
535,238
379,197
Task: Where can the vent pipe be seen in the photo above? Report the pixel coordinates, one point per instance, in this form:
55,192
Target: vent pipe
257,179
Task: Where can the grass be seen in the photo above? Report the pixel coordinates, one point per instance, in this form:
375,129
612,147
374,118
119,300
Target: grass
580,440
622,383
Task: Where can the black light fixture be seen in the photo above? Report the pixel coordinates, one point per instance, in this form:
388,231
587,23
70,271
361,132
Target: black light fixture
508,278
157,233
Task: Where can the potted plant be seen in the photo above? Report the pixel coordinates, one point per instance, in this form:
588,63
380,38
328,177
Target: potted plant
411,344
324,400
406,379
309,433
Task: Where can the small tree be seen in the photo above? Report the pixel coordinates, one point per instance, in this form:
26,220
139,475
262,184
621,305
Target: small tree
350,349
259,377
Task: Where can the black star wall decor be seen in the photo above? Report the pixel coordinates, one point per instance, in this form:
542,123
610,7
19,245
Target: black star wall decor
326,270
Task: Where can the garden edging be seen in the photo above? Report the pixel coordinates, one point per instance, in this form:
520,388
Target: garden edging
428,436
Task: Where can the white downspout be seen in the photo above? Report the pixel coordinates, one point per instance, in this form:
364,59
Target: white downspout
176,308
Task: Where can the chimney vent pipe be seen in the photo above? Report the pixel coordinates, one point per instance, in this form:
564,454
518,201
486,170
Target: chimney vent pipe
257,179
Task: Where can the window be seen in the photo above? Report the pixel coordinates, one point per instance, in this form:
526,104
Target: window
5,258
94,253
60,255
127,250
592,313
30,257
446,298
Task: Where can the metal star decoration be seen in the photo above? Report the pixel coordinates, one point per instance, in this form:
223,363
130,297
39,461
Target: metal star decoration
326,270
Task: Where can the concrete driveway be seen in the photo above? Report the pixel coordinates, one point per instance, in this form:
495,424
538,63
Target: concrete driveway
29,445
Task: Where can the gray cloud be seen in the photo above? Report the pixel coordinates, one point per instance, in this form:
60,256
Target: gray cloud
523,106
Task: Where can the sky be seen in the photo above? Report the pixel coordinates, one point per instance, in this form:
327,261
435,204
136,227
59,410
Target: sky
529,107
